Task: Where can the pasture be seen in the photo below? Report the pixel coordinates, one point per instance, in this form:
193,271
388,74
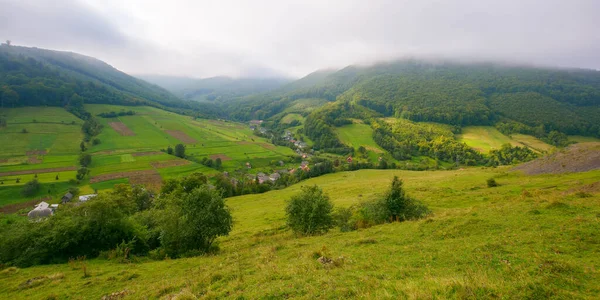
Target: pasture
485,138
356,135
532,237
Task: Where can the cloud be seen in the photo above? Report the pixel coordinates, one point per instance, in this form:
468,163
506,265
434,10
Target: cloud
272,37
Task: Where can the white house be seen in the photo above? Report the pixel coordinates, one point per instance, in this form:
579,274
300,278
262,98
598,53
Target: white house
84,198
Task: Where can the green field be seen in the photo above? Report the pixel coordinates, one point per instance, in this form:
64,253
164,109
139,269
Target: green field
152,130
486,138
532,237
292,117
356,135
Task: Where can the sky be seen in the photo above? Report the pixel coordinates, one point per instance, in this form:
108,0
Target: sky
268,38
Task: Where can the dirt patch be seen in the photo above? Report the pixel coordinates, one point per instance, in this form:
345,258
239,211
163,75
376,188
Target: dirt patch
38,171
223,157
244,143
15,207
149,153
135,177
105,152
268,146
169,163
121,128
34,160
4,160
580,157
182,136
36,152
588,188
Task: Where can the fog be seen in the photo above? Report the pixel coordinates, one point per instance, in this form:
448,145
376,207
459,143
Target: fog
267,38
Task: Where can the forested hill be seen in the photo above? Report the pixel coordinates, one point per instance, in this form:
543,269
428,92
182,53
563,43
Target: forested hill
522,98
33,76
215,89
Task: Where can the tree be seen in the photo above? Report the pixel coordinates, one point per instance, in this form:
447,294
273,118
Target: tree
218,163
85,159
82,146
24,131
193,221
180,150
401,207
81,173
30,188
310,211
169,150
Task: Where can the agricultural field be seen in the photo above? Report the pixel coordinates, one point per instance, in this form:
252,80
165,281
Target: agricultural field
289,118
532,142
531,237
486,138
583,139
129,149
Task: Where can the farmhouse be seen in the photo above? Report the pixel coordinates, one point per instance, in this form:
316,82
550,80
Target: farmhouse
41,210
67,197
262,178
84,198
349,159
274,177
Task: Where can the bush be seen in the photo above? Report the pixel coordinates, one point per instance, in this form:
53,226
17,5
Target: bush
400,207
491,182
30,188
310,211
81,173
96,141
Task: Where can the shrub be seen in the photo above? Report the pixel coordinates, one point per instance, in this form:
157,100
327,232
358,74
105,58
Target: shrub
310,211
169,150
343,219
82,172
491,182
401,207
30,188
96,141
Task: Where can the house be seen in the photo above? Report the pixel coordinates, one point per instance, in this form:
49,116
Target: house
281,163
282,171
84,198
256,122
262,178
349,159
67,197
248,165
53,207
304,166
274,177
262,130
41,210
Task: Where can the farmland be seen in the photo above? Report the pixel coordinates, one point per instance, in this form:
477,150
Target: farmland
531,237
46,147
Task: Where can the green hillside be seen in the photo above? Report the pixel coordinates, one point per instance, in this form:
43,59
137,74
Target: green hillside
34,76
531,237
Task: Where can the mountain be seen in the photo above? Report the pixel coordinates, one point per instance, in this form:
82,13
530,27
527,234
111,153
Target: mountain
215,88
33,76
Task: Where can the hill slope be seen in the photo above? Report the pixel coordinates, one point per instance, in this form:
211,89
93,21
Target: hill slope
33,76
526,238
575,158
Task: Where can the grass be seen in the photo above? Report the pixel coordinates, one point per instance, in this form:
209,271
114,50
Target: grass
485,138
583,139
292,117
533,142
356,135
531,237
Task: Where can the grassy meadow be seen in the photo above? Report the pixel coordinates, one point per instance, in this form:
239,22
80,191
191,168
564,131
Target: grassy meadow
532,237
486,138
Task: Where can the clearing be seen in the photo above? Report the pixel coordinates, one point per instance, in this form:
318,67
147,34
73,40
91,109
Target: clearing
356,135
484,138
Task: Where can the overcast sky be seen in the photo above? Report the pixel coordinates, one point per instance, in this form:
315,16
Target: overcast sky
293,38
